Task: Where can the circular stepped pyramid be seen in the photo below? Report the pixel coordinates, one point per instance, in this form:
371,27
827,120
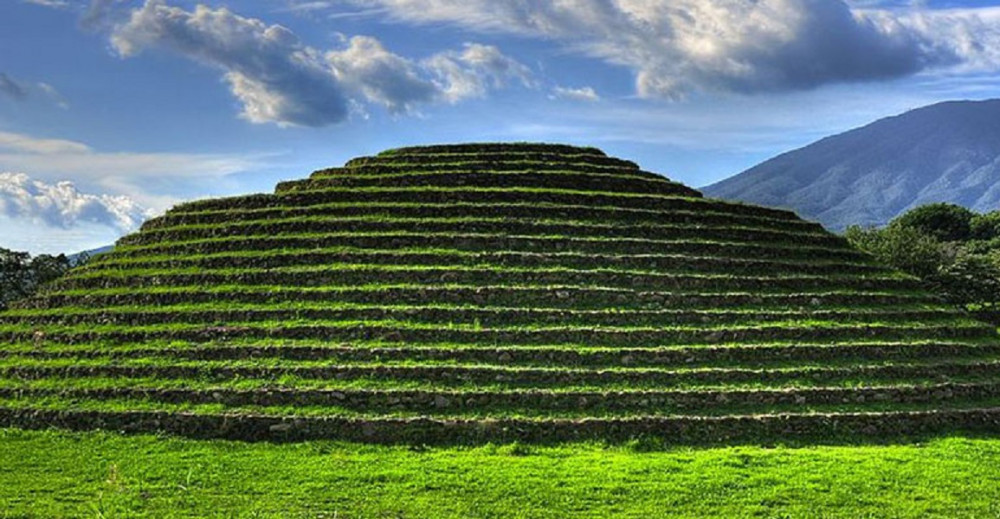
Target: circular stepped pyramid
497,292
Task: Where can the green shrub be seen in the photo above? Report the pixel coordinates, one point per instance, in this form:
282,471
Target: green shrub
904,247
946,222
985,226
970,280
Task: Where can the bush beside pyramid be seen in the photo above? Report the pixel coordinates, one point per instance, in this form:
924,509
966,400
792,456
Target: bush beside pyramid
493,292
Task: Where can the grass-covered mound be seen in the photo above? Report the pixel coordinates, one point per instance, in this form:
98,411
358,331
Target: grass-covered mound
492,293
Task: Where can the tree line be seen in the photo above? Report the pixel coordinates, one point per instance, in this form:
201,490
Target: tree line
21,274
954,250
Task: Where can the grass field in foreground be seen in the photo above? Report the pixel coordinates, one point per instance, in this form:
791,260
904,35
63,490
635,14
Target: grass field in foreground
63,474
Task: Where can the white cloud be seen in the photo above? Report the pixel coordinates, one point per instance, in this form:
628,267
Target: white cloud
25,143
973,35
146,177
56,4
576,94
310,6
62,205
474,71
279,79
382,77
276,77
747,46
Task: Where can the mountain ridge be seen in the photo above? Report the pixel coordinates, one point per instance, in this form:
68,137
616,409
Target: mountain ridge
946,152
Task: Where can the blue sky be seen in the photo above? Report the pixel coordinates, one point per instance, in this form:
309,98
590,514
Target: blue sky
113,110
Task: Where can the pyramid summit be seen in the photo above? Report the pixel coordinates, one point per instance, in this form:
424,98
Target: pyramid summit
493,292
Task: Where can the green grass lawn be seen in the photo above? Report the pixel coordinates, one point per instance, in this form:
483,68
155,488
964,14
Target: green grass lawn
55,474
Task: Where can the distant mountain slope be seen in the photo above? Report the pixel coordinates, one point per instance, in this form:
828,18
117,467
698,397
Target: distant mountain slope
947,152
90,253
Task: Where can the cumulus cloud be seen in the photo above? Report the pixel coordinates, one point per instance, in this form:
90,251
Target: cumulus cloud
576,94
475,70
279,79
97,15
143,176
382,77
63,206
681,46
11,88
275,77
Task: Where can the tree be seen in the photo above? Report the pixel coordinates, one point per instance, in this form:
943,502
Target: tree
950,248
985,226
21,275
970,280
946,222
903,247
46,268
15,275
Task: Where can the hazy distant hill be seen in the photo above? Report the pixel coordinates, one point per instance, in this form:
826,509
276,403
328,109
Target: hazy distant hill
948,152
90,253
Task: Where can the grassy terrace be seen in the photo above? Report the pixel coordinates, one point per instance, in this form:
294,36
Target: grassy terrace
491,314
417,332
568,202
494,158
450,163
484,268
352,275
551,296
387,375
476,226
370,393
476,294
660,262
680,429
484,209
758,355
452,195
478,242
496,318
456,166
491,180
526,407
497,214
